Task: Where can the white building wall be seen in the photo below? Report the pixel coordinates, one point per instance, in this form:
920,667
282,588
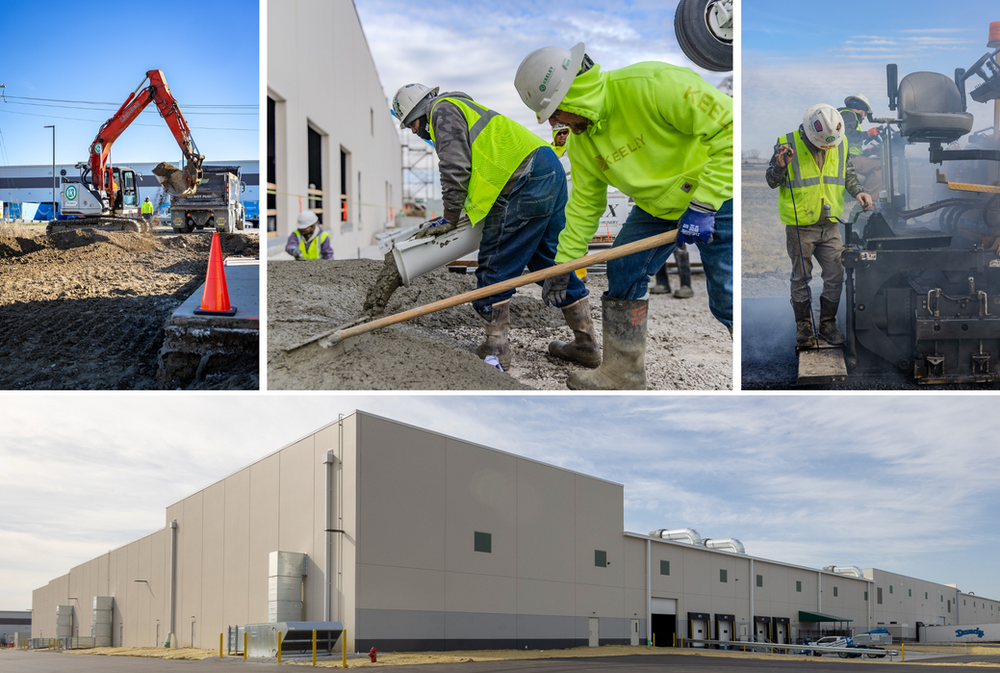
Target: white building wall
321,75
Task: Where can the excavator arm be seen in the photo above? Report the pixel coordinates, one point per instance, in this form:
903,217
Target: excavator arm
157,91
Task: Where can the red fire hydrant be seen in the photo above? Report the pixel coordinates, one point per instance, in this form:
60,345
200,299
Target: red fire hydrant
373,654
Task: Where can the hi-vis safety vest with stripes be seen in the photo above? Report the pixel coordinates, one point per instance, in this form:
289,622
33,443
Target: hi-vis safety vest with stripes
147,208
310,249
813,187
855,150
499,145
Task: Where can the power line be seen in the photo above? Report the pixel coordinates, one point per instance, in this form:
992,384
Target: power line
92,121
116,105
76,107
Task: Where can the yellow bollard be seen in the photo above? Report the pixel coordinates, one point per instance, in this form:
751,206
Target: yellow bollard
654,640
903,649
244,645
314,647
343,645
279,647
220,646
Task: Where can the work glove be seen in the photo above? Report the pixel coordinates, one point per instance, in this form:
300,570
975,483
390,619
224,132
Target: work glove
696,224
872,132
436,228
297,254
554,290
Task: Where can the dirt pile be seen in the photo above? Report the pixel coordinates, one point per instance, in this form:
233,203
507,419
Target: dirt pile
686,349
85,309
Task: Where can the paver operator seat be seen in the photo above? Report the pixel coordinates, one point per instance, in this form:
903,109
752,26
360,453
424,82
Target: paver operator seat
930,109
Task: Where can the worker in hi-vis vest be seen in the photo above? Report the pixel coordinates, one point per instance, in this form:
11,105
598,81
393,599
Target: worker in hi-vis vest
811,167
510,182
309,240
855,109
663,136
147,210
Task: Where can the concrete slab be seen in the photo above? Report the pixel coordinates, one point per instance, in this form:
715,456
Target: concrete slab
198,346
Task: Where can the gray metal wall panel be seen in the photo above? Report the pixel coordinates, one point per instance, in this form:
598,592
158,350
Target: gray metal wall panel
405,624
467,625
237,548
546,627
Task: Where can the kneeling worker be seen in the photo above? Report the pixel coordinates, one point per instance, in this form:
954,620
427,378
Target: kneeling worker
309,240
510,182
811,167
662,135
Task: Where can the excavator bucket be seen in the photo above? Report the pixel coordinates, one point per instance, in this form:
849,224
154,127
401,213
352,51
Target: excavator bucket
178,182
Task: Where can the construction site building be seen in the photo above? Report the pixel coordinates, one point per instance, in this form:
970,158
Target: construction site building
332,145
414,540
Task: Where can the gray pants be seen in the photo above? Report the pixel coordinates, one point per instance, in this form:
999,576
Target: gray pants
823,242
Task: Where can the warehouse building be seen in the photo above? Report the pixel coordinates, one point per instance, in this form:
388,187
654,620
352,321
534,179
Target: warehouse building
332,146
416,540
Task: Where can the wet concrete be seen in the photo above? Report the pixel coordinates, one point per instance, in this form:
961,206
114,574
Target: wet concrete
381,291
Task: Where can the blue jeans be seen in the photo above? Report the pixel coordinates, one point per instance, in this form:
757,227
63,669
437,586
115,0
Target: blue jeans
522,230
628,277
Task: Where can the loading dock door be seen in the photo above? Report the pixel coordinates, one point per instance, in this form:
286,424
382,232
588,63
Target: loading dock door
594,639
760,630
664,621
781,633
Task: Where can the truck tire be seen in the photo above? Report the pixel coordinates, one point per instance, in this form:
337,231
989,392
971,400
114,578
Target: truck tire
696,39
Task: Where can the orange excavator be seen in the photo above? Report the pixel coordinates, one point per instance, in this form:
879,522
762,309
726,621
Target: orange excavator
106,197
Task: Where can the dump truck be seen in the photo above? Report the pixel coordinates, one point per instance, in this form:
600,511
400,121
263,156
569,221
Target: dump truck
214,206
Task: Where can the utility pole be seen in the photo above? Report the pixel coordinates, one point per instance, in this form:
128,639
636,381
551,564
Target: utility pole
53,127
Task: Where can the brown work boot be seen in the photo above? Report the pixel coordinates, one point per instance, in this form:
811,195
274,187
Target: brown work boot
497,330
828,322
624,365
584,348
804,337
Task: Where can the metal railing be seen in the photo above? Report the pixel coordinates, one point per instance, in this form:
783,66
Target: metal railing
763,646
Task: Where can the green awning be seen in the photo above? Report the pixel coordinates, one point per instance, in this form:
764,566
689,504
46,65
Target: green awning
820,617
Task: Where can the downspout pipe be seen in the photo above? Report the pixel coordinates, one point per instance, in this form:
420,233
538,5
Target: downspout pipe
649,596
328,462
173,583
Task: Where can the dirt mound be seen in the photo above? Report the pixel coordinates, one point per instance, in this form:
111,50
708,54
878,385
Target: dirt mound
686,349
85,309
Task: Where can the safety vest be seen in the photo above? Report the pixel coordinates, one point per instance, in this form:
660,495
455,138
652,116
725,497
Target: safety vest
855,150
813,187
310,249
499,145
147,208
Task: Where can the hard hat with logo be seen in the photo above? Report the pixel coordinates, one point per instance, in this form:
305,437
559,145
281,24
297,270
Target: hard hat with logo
307,218
824,126
858,102
411,101
545,76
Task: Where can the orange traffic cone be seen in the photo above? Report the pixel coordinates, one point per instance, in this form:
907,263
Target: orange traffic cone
215,298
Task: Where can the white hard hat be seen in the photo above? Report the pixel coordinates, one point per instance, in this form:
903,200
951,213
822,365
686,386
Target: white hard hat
545,76
824,126
410,102
858,102
307,218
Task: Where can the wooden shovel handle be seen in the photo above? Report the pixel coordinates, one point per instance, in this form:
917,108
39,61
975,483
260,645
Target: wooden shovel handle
665,238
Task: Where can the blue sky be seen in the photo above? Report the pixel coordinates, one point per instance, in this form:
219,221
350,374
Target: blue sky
794,56
61,51
902,483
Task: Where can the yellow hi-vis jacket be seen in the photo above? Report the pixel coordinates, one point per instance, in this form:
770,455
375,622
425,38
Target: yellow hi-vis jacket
855,148
310,249
813,187
499,145
147,207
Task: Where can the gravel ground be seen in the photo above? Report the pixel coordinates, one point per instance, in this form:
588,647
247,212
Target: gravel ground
85,309
687,349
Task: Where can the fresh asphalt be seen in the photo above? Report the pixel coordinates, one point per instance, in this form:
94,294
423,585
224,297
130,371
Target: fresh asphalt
56,662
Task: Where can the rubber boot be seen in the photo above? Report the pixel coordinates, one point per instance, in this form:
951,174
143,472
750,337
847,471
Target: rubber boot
804,337
624,365
497,330
828,322
584,349
662,284
683,258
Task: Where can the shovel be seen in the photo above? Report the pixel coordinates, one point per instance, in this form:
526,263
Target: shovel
339,334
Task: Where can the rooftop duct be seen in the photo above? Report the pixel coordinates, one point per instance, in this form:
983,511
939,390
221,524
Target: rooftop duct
731,544
846,570
689,534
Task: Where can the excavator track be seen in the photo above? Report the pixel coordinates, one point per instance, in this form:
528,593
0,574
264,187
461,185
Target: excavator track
100,224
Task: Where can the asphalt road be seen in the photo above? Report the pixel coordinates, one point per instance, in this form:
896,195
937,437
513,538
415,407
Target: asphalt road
54,662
